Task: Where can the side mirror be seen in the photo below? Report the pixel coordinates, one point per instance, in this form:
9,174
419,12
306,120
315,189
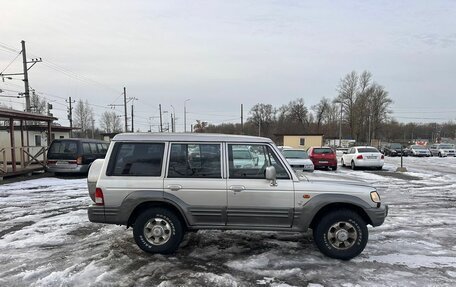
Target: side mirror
271,175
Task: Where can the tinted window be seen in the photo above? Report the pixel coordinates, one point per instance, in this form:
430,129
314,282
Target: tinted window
322,150
253,166
86,148
64,147
137,159
394,145
195,160
102,148
367,149
93,147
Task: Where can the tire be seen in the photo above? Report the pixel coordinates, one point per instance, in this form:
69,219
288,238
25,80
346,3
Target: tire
379,168
353,166
334,167
440,155
326,234
168,228
342,162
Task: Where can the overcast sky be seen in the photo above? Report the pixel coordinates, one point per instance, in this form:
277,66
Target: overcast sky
220,54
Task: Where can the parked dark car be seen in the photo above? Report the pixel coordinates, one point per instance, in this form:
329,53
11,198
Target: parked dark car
395,149
323,157
74,155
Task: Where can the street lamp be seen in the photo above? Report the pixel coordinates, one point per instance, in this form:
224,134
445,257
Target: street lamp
185,115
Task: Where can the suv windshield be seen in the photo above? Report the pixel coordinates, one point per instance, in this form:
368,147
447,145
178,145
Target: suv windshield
295,154
322,150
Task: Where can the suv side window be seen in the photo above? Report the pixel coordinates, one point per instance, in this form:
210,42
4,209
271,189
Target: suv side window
250,161
137,159
195,160
86,149
93,147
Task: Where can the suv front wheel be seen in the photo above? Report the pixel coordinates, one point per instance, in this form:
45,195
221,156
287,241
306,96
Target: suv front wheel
158,230
341,234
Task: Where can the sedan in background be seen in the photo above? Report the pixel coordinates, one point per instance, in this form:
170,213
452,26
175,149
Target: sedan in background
298,159
363,156
394,149
419,150
323,157
442,150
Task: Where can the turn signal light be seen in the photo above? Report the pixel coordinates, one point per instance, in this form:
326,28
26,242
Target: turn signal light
99,200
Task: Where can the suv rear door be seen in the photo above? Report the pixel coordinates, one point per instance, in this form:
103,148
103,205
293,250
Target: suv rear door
196,179
252,200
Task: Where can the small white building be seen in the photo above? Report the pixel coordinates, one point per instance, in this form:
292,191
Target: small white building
35,138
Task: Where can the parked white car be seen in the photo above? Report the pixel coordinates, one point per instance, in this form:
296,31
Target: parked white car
298,159
363,156
419,150
442,150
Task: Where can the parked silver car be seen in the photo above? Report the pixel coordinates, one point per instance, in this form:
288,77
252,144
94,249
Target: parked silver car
298,159
442,150
166,184
419,150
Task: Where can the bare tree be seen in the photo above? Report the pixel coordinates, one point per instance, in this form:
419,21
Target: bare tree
83,116
38,104
321,110
110,122
200,126
298,112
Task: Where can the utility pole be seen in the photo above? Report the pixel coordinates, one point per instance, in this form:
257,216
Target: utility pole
172,123
132,120
340,126
93,128
242,119
125,109
185,116
161,123
25,73
70,115
26,82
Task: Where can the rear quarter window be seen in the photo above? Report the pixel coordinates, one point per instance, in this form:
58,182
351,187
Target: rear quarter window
136,159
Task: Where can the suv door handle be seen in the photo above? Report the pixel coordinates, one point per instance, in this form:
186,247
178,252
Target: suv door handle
237,188
175,187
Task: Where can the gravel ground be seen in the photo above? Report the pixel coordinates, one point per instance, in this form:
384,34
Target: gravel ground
47,240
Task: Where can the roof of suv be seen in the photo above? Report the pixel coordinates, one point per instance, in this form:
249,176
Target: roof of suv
190,137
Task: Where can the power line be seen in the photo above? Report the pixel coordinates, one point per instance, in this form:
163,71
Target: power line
7,66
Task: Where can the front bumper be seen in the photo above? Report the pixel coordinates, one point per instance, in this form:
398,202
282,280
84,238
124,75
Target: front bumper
377,215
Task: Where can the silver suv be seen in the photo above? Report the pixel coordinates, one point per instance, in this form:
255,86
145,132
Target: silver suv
166,184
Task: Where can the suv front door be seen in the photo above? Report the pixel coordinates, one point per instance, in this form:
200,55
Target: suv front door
252,200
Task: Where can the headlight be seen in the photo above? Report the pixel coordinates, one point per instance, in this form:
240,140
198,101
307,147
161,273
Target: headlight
375,197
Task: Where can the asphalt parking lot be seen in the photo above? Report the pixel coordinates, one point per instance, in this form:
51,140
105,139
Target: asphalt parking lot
47,240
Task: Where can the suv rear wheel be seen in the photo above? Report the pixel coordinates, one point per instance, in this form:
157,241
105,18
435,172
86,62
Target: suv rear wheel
158,230
341,234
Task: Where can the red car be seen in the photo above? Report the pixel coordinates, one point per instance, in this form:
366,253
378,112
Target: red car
323,157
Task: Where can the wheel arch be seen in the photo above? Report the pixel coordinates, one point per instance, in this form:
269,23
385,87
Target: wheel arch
156,204
338,206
